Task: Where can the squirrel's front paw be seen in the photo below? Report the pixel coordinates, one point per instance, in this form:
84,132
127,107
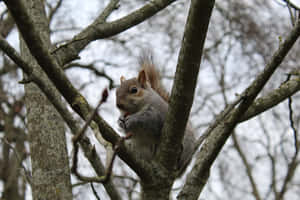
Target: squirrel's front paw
130,122
121,122
127,123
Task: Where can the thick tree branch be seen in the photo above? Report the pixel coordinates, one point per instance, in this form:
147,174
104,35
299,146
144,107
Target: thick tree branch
185,81
100,29
56,74
196,179
87,147
50,66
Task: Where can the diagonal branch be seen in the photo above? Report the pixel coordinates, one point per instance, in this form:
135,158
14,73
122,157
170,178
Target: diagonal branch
182,94
292,166
87,147
93,68
196,179
112,5
56,74
53,10
270,100
100,29
50,66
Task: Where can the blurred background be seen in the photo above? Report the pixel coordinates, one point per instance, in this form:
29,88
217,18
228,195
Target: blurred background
241,39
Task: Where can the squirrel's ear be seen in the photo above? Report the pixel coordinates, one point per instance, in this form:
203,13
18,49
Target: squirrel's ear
122,79
142,78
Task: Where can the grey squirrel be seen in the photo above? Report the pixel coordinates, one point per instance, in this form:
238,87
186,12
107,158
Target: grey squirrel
143,104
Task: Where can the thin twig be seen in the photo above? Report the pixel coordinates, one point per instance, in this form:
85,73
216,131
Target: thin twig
53,11
292,166
93,68
112,5
95,192
219,118
292,124
78,135
106,176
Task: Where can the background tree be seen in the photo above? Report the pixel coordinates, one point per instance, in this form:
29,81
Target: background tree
259,161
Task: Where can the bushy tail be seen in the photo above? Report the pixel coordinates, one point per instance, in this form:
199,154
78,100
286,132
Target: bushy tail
147,64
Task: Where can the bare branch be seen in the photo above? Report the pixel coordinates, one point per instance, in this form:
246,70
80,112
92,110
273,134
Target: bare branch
270,100
92,67
113,5
106,176
218,119
95,192
213,145
185,81
80,133
35,43
64,112
292,124
291,4
56,74
54,10
292,166
100,29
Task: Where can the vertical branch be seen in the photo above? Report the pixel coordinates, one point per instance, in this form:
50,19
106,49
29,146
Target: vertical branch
187,69
196,179
292,166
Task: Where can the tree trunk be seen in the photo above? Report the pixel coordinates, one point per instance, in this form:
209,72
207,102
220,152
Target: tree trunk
158,190
50,167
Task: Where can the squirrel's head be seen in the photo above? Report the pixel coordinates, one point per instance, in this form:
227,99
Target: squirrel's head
132,93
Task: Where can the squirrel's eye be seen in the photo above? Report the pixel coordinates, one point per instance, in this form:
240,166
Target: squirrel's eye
133,90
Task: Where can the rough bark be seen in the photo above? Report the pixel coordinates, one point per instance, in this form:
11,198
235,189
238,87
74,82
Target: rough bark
100,29
50,168
50,91
182,94
214,143
55,73
181,100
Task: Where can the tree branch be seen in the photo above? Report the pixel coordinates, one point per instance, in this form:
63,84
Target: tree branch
52,69
56,74
93,68
196,179
272,99
100,29
185,81
87,147
53,10
289,3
